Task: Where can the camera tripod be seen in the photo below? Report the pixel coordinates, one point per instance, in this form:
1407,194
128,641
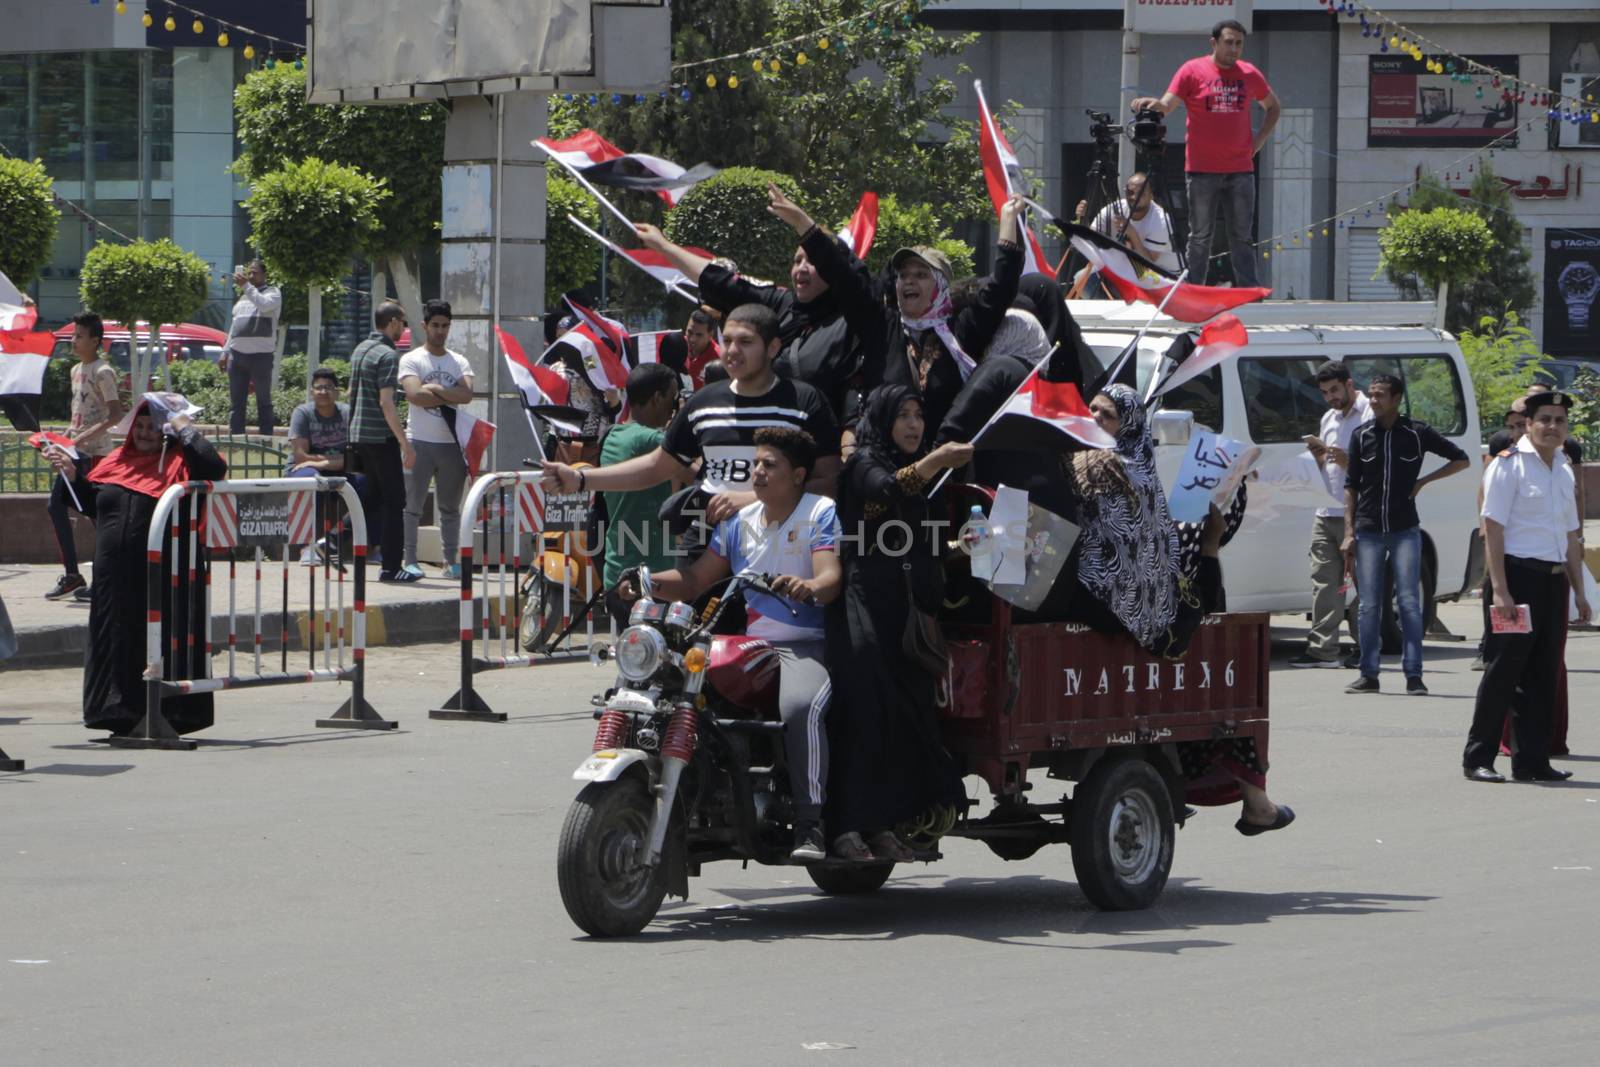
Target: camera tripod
1149,139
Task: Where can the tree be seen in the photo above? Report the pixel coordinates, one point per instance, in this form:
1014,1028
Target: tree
727,216
571,258
1506,284
402,144
151,281
905,226
1442,248
28,206
838,136
308,219
1503,359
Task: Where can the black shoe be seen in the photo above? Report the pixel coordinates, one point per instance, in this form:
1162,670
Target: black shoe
1482,774
1415,688
82,594
1547,774
809,847
1283,818
400,576
65,585
1352,662
1306,659
1365,684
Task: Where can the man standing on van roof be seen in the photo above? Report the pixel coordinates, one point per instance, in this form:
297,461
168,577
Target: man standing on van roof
1219,148
1347,412
1532,540
252,338
1381,527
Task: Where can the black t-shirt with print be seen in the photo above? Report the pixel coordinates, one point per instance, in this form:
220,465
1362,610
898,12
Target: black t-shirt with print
719,426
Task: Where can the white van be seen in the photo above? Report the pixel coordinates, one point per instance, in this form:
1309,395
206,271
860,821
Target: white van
1268,396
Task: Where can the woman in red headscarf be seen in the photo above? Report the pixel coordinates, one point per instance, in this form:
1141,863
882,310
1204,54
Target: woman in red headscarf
121,494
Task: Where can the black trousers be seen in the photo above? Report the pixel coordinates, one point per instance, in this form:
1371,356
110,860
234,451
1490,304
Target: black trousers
386,496
1530,662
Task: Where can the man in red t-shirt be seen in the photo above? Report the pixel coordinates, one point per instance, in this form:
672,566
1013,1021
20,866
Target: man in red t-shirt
1219,148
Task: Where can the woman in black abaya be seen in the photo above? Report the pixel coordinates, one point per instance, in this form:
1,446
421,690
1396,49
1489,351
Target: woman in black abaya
887,765
121,496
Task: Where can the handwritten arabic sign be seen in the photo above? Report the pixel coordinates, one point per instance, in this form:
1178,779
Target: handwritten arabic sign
1409,107
1212,471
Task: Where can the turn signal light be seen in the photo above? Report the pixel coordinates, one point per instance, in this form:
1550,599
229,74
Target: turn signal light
694,660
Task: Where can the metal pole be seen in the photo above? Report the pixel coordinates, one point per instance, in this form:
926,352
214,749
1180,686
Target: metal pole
1129,85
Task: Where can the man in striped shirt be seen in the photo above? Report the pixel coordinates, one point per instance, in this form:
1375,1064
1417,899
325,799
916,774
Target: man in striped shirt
252,338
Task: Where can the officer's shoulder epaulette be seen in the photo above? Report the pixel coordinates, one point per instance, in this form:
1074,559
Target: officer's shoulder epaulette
1506,454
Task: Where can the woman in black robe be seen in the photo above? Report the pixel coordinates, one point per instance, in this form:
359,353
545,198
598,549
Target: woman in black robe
887,764
121,495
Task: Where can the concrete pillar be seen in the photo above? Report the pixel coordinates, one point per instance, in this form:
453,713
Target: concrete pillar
1292,141
492,260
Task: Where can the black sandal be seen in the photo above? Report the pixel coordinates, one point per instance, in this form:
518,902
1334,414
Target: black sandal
1284,817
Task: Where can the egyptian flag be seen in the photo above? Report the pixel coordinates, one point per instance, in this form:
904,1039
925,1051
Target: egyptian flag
1120,269
1219,341
24,355
472,434
603,163
1003,175
545,391
45,438
863,226
659,266
607,340
1038,414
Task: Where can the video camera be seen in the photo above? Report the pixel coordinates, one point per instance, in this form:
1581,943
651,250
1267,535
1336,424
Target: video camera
1148,129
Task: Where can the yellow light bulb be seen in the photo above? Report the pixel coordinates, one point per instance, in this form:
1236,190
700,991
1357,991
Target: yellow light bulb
756,66
1394,42
775,66
823,44
222,39
1266,255
801,60
249,51
170,25
733,81
1324,231
711,81
199,27
147,20
122,8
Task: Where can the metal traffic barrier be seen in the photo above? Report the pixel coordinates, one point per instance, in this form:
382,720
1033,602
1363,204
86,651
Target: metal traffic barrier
218,519
501,509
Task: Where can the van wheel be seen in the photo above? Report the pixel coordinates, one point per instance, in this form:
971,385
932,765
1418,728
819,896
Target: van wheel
1122,834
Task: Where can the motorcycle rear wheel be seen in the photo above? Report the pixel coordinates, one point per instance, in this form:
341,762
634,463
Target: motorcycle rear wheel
603,890
844,881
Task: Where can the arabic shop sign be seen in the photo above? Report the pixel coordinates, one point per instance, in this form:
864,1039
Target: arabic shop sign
1538,187
1407,107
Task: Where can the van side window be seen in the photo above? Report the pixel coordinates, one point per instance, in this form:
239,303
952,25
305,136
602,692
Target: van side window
1281,398
1202,396
1433,388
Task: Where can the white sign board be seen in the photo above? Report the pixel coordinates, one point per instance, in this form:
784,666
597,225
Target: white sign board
1183,16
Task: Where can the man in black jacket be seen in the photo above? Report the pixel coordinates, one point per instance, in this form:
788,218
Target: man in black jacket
1381,525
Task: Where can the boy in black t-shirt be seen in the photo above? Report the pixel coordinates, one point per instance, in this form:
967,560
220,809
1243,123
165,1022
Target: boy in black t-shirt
719,423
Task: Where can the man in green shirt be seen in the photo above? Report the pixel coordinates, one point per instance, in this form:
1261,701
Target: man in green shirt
378,440
635,536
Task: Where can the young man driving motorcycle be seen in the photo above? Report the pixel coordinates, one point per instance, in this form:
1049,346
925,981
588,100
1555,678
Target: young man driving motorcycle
792,535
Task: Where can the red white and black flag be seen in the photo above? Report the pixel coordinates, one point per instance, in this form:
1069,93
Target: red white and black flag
544,390
24,355
863,226
608,340
1002,173
1218,342
1038,414
473,434
1135,278
603,163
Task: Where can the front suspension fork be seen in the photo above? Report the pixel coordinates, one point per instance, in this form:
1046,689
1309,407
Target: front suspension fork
677,749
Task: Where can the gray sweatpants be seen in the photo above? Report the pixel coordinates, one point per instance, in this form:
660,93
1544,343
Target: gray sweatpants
444,465
803,695
1327,575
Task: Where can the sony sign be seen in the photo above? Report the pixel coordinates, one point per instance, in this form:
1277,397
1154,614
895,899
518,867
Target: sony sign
1183,16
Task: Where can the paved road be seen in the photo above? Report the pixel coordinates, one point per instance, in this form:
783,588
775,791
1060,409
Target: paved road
290,895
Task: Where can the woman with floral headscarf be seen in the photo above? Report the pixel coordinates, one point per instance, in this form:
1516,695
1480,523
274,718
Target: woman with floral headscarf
887,765
922,341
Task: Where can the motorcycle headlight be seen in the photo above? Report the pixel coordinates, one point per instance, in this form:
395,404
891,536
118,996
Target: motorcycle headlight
640,652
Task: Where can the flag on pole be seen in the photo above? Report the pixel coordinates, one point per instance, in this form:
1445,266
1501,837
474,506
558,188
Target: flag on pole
603,163
544,389
24,355
1002,173
863,226
651,262
49,437
610,343
1188,302
1220,340
1038,414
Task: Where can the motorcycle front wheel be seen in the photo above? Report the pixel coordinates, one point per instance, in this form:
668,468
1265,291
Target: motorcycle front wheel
541,613
605,889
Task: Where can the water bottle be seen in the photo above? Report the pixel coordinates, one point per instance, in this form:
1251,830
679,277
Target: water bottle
979,536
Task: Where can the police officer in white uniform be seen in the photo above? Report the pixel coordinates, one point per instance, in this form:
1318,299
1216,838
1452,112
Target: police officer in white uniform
1532,537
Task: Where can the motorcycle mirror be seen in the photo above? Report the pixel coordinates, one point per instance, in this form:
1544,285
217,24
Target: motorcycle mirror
599,654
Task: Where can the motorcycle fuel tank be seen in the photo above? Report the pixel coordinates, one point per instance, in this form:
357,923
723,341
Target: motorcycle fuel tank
744,670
